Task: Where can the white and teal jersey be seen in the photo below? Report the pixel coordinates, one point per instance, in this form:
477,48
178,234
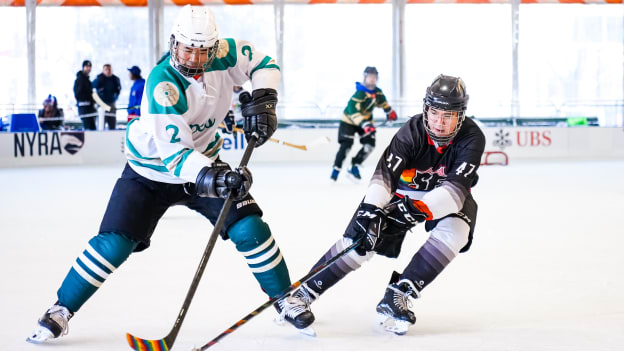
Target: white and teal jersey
177,133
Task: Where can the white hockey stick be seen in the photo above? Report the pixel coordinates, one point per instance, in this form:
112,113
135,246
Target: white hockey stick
313,143
99,101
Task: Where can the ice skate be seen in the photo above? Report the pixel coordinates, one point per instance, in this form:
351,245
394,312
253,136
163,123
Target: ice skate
334,174
52,324
296,311
393,310
306,295
354,173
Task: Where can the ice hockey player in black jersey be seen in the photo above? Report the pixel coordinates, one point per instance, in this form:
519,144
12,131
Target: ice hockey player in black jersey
424,175
358,119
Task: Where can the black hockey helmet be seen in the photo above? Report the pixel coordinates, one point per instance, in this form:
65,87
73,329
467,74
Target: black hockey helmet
370,70
449,94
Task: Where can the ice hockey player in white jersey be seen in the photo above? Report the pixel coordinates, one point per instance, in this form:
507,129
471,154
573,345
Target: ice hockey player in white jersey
172,153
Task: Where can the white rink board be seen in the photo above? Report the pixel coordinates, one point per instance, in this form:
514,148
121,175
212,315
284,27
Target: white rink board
61,148
76,148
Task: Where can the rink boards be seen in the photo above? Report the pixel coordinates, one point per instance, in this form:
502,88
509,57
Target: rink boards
93,148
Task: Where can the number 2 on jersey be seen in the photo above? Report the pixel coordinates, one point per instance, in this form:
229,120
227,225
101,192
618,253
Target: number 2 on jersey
174,137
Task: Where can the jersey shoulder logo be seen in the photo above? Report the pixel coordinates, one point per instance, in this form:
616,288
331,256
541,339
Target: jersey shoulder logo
224,49
226,56
166,94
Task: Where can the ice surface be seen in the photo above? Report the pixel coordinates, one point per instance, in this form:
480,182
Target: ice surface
546,270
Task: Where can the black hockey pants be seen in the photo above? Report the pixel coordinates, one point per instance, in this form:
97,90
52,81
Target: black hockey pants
346,136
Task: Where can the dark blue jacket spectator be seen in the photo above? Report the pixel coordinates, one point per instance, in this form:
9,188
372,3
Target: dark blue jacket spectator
107,85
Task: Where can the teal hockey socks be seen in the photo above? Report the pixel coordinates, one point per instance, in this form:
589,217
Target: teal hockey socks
104,253
253,239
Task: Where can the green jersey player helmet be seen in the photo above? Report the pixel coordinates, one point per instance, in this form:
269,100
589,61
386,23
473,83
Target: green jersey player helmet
194,40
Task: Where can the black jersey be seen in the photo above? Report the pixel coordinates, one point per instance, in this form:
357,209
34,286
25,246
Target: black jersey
412,163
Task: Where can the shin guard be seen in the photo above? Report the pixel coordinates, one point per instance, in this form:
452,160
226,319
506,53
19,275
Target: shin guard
444,244
253,239
104,253
343,266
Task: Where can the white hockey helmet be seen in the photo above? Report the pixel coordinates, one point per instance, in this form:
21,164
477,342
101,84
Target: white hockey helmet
194,40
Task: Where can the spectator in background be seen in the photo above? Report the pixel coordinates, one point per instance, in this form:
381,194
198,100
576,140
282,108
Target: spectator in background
50,116
84,97
108,87
136,93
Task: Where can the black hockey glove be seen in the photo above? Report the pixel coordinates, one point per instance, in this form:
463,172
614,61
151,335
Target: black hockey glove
259,115
402,214
221,181
228,122
367,224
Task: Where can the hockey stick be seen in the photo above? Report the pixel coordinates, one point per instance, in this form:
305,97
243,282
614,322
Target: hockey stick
129,107
100,102
321,140
288,290
166,343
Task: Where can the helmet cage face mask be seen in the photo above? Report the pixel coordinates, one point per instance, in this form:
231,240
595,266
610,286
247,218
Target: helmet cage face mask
442,125
191,60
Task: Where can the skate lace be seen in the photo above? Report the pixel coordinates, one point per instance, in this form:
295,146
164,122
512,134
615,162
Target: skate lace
61,315
292,307
304,295
402,300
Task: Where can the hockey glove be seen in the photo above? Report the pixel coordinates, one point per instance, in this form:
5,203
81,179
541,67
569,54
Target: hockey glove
221,181
368,127
403,214
391,116
228,122
259,115
367,224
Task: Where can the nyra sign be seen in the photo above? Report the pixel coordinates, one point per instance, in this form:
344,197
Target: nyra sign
47,144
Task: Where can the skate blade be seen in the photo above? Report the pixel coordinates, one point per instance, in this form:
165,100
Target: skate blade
382,318
392,325
352,178
40,335
307,331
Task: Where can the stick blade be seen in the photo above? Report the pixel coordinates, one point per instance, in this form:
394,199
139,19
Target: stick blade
320,141
139,344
